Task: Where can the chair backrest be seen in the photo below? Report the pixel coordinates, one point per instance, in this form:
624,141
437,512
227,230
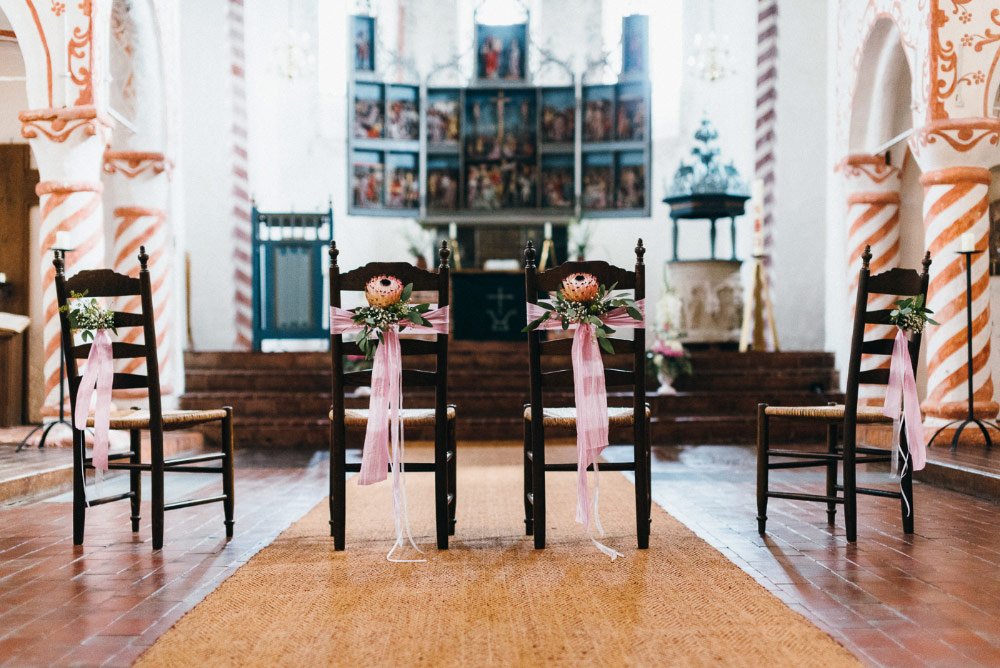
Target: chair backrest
423,281
867,337
104,284
549,359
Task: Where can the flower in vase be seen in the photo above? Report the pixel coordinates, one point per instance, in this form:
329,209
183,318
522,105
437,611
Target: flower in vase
383,290
580,287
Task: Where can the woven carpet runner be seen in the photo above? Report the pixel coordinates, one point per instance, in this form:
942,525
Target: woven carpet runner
492,600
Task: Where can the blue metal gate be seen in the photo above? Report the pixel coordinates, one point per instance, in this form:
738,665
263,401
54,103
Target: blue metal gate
289,260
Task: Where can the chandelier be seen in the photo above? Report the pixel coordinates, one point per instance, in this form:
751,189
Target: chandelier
710,60
294,57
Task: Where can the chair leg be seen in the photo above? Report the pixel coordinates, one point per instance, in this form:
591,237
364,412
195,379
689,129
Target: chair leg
529,528
831,472
338,490
538,483
228,486
850,485
79,495
762,471
906,486
442,514
453,475
135,476
640,451
156,480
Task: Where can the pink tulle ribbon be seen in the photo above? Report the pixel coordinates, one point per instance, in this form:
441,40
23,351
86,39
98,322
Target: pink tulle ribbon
590,395
97,379
902,404
385,424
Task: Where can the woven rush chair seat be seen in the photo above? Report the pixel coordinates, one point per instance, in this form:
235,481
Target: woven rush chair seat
171,419
866,415
358,417
566,417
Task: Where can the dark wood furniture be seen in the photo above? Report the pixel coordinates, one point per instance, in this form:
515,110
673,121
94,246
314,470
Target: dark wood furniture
706,206
104,283
11,377
442,415
846,418
630,353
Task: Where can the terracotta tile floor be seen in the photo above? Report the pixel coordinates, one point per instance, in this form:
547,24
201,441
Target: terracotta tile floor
933,599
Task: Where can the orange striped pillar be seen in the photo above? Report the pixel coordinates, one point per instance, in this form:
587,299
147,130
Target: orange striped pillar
873,220
141,176
955,203
73,208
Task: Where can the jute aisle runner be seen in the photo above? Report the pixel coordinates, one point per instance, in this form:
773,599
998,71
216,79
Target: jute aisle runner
491,599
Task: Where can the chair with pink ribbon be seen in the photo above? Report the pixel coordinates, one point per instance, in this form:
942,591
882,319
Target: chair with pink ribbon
885,347
381,331
95,382
588,308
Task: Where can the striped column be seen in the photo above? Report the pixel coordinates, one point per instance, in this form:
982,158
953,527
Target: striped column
73,208
873,220
767,98
139,184
240,191
955,202
137,226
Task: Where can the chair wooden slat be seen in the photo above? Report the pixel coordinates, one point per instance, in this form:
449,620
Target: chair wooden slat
896,281
564,346
130,381
126,319
407,346
119,350
420,278
878,317
411,378
874,377
102,283
563,378
877,347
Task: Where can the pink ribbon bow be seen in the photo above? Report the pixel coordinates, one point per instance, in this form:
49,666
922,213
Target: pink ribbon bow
590,395
902,403
385,422
97,376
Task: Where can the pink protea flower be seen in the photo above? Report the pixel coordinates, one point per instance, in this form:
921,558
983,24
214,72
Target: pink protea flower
383,290
580,287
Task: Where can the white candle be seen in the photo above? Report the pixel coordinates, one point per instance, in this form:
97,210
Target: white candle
548,230
968,242
62,240
452,231
3,277
757,194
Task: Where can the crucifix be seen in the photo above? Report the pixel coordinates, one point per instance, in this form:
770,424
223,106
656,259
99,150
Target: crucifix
501,101
501,316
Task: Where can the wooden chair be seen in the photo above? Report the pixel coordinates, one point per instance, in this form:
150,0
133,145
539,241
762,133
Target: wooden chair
538,416
898,283
442,415
104,283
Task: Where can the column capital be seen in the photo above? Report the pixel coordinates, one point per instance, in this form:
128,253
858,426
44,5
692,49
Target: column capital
131,164
956,142
865,172
60,124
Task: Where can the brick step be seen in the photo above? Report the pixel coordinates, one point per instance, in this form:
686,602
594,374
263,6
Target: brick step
755,380
730,429
734,402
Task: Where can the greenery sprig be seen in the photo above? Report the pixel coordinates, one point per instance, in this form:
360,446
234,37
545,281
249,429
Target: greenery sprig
87,315
587,312
376,320
910,314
